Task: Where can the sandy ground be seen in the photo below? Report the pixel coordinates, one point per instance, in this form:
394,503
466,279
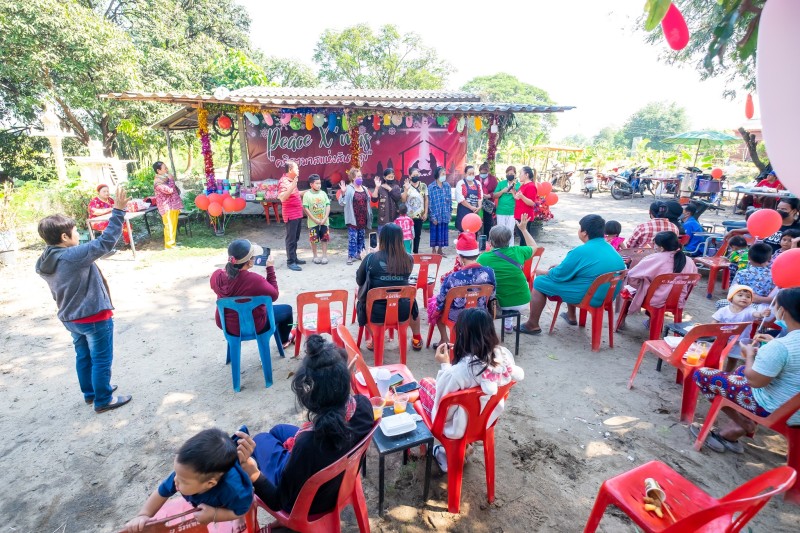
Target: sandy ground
569,425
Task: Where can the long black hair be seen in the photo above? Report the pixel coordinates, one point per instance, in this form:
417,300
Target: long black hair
390,241
475,335
658,209
322,386
789,299
674,212
670,243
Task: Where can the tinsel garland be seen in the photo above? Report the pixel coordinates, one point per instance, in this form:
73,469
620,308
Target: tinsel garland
491,152
205,148
355,148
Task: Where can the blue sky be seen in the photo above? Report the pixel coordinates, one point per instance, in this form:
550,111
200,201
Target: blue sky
586,53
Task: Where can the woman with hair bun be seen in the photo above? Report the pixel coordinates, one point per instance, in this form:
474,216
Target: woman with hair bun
281,461
644,233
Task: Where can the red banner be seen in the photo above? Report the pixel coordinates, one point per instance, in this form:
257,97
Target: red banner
424,145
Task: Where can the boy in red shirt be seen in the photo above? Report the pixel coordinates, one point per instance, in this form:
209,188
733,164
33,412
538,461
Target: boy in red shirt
407,225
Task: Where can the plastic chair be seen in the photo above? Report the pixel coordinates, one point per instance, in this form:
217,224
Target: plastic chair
325,321
244,306
274,206
178,515
356,361
425,261
718,262
684,239
529,267
350,493
777,422
694,509
477,430
391,320
472,294
612,279
725,335
632,256
678,283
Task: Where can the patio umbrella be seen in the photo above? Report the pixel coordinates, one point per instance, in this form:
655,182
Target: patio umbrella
703,139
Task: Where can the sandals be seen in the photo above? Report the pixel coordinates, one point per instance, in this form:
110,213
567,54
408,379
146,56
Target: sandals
717,442
526,331
567,319
324,261
441,457
317,261
370,345
290,341
349,260
416,344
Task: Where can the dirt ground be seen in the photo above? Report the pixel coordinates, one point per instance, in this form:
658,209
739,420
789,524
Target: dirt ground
569,425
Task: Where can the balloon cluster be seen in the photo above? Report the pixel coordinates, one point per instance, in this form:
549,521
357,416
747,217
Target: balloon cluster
545,190
217,204
205,148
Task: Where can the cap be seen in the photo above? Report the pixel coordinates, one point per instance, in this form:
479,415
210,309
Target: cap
736,288
467,245
241,251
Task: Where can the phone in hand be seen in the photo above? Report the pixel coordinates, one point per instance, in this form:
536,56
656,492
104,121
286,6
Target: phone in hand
243,429
408,387
261,260
373,240
482,243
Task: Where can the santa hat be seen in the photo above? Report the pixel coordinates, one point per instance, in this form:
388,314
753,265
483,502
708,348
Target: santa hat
736,288
467,245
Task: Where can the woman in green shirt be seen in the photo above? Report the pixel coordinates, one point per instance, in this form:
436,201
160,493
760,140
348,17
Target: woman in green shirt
504,195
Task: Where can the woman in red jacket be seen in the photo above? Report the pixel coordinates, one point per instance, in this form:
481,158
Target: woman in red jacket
236,279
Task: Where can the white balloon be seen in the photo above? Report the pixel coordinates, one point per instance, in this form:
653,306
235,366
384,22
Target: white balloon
220,93
778,76
252,118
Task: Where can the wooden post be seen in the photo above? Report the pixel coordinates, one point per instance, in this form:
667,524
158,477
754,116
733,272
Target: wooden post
169,152
243,147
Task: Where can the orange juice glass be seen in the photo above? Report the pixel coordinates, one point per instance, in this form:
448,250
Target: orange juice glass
693,356
377,407
400,402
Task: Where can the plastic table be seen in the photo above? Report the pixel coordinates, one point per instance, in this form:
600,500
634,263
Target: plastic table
130,215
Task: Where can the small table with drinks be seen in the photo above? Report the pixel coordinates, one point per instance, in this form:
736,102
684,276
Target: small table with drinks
391,438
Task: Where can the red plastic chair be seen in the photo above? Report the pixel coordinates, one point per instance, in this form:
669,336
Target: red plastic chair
718,262
777,421
678,283
725,335
274,206
477,430
613,279
694,509
356,362
529,267
472,294
425,261
178,515
350,493
684,239
325,324
391,320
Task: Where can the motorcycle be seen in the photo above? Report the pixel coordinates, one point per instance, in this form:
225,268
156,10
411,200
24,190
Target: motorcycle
631,182
561,178
589,181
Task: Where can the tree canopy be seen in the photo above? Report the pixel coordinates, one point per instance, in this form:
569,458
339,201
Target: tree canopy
360,58
655,121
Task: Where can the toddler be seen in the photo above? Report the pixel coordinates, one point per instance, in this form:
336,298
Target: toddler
407,225
208,475
737,254
789,240
317,207
739,309
758,274
612,231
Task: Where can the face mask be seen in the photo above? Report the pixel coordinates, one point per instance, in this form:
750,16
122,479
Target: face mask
781,324
442,177
470,178
414,179
359,181
510,177
389,179
484,174
783,214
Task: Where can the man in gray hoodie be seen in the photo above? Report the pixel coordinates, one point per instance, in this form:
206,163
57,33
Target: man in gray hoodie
82,296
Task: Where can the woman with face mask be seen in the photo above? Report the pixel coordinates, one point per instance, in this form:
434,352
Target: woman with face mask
440,210
767,380
488,185
415,195
504,194
469,195
354,197
789,210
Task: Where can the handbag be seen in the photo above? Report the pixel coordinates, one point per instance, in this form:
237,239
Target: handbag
504,257
488,206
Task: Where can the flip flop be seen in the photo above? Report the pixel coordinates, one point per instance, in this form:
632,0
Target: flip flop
711,441
565,316
526,331
733,446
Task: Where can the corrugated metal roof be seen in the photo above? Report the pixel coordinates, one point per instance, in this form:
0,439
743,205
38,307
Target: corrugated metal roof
318,93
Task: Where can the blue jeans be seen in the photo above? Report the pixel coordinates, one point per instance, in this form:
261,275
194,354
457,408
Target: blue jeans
94,352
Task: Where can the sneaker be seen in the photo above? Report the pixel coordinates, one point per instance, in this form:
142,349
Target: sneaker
441,457
349,260
294,266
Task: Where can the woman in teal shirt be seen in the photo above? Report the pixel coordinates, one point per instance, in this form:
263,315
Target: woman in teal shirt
572,278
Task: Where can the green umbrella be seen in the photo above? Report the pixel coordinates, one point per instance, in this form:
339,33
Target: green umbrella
702,138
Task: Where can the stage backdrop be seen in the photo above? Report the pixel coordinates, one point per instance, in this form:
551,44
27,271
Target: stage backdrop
425,145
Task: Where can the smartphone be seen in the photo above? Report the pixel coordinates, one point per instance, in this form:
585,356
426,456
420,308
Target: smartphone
395,380
261,260
373,240
243,429
482,243
408,387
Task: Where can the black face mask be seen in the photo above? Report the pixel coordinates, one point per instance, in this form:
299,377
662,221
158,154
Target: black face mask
389,180
414,179
784,214
510,177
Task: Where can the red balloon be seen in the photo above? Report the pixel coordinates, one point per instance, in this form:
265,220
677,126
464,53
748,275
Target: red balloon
451,126
675,30
717,173
241,204
376,122
764,222
226,194
201,201
224,122
785,273
215,198
551,198
472,223
749,108
214,209
544,188
229,205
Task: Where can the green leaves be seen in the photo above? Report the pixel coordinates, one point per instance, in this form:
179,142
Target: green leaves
655,9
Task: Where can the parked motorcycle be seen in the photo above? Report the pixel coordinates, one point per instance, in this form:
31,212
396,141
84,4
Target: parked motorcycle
562,179
589,181
631,182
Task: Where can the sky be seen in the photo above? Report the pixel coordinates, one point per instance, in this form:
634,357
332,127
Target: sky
587,53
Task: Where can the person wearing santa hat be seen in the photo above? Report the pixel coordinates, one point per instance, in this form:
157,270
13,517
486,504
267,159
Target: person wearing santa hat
471,273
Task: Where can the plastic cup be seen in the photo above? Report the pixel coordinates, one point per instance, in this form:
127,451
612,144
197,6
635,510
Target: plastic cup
400,402
745,341
382,377
654,490
693,356
377,407
703,348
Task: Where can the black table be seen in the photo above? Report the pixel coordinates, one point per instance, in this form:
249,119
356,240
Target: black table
386,445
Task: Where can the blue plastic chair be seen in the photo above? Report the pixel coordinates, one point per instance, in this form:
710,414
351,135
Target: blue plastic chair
244,306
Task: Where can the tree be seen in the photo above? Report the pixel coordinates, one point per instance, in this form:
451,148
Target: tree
356,57
502,87
655,121
723,37
234,70
609,137
286,72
